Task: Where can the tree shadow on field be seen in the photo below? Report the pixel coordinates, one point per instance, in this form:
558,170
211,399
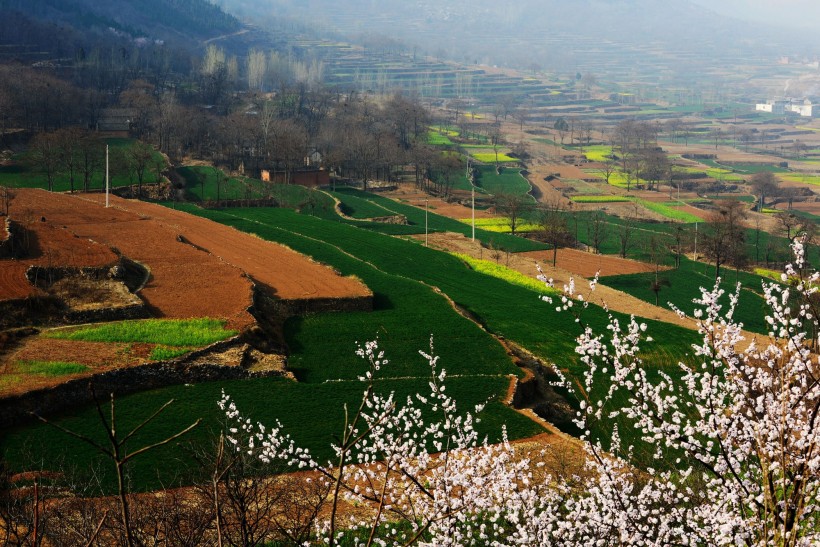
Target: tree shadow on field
28,243
381,301
291,330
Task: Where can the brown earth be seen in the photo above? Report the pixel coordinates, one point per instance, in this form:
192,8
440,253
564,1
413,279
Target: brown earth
410,194
105,356
724,153
13,282
97,356
812,207
587,264
184,281
51,244
290,275
93,354
207,277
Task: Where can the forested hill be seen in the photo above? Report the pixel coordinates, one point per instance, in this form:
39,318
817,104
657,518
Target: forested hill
182,22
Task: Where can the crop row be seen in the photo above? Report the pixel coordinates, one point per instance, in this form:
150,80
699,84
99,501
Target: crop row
501,225
168,332
600,198
669,212
492,157
494,269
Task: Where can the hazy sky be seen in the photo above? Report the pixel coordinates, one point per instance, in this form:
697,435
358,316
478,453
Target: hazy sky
793,13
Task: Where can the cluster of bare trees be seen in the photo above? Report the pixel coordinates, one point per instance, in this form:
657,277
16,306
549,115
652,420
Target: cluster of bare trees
578,131
640,157
44,98
357,136
78,155
354,135
37,101
74,152
724,240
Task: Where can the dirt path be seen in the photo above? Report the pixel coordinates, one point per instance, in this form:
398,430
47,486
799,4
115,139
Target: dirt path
549,192
222,37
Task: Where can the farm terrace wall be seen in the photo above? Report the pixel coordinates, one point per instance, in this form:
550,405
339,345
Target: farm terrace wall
43,276
284,308
18,409
121,313
33,309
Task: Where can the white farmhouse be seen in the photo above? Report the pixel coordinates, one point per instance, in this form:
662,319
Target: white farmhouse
803,107
772,106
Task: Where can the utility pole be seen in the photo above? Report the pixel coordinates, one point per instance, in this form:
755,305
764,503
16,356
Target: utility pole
425,221
106,176
472,193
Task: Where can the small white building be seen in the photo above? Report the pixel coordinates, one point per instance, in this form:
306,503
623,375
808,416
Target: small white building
772,106
803,107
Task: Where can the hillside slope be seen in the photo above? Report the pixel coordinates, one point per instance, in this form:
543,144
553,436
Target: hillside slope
182,22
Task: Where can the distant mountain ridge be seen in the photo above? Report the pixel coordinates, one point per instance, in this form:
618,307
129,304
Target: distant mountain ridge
555,34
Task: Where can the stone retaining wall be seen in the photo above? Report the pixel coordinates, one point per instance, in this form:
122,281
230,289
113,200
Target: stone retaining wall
18,409
43,276
391,219
290,308
101,315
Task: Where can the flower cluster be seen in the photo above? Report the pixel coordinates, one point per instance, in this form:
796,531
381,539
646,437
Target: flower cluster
738,428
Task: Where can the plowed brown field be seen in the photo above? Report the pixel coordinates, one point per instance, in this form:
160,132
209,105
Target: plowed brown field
410,194
587,264
51,244
185,281
13,282
290,275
